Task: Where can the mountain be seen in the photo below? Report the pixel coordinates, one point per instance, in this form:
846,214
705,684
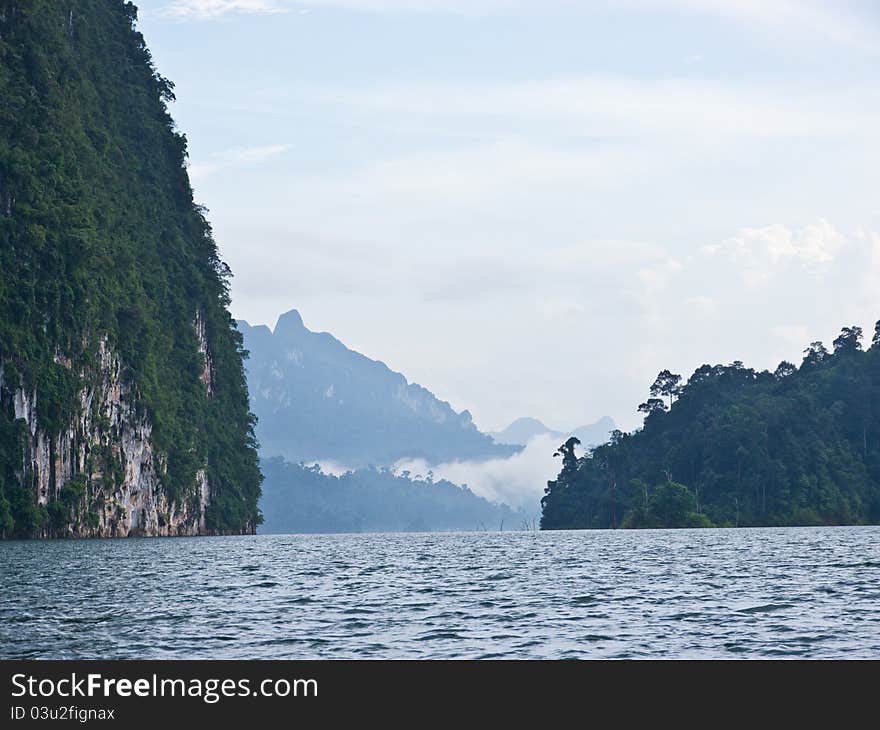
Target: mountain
596,433
738,447
123,401
297,498
317,400
523,430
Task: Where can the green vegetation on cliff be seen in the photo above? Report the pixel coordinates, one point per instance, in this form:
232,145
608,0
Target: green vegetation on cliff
100,239
736,447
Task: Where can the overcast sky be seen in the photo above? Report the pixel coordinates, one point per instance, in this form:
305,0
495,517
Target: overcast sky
531,207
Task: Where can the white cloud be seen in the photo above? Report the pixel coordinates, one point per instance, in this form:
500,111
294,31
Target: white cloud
517,481
845,22
702,305
794,334
842,21
235,157
870,240
762,251
211,9
615,107
556,308
468,175
657,278
762,295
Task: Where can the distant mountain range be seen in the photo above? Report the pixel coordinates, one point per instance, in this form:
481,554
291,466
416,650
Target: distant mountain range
317,400
523,430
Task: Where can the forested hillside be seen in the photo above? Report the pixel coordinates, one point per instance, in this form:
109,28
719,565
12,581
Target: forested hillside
123,403
736,447
299,498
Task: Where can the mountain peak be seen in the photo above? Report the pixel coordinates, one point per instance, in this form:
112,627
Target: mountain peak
522,430
316,399
529,422
289,322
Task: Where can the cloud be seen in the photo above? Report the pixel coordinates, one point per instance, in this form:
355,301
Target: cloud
611,107
657,278
556,308
480,173
761,296
212,9
701,305
761,252
795,334
235,157
517,481
844,22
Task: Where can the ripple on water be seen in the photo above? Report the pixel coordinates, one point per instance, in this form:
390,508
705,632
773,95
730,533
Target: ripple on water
792,592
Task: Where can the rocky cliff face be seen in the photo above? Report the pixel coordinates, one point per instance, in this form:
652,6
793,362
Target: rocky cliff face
100,476
123,400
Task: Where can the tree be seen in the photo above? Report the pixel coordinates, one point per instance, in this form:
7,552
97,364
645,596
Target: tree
815,354
876,341
799,446
671,504
651,406
569,458
848,341
667,384
703,374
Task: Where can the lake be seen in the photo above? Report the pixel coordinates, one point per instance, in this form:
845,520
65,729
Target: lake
747,593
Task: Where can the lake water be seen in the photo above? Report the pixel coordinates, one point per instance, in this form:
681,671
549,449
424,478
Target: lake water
793,592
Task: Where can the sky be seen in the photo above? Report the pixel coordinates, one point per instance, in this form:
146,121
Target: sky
532,207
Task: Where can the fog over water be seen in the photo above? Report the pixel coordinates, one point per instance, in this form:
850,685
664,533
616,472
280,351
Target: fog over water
517,480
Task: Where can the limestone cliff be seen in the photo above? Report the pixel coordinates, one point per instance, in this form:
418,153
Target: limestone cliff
100,475
123,401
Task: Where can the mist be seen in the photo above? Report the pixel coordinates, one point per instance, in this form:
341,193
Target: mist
517,481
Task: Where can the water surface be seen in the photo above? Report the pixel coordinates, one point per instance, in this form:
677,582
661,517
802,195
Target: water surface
791,592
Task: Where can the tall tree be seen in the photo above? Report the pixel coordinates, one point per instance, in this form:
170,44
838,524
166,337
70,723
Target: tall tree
667,384
652,405
815,354
849,340
569,457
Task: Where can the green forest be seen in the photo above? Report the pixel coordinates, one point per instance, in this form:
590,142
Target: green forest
300,498
734,447
100,239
